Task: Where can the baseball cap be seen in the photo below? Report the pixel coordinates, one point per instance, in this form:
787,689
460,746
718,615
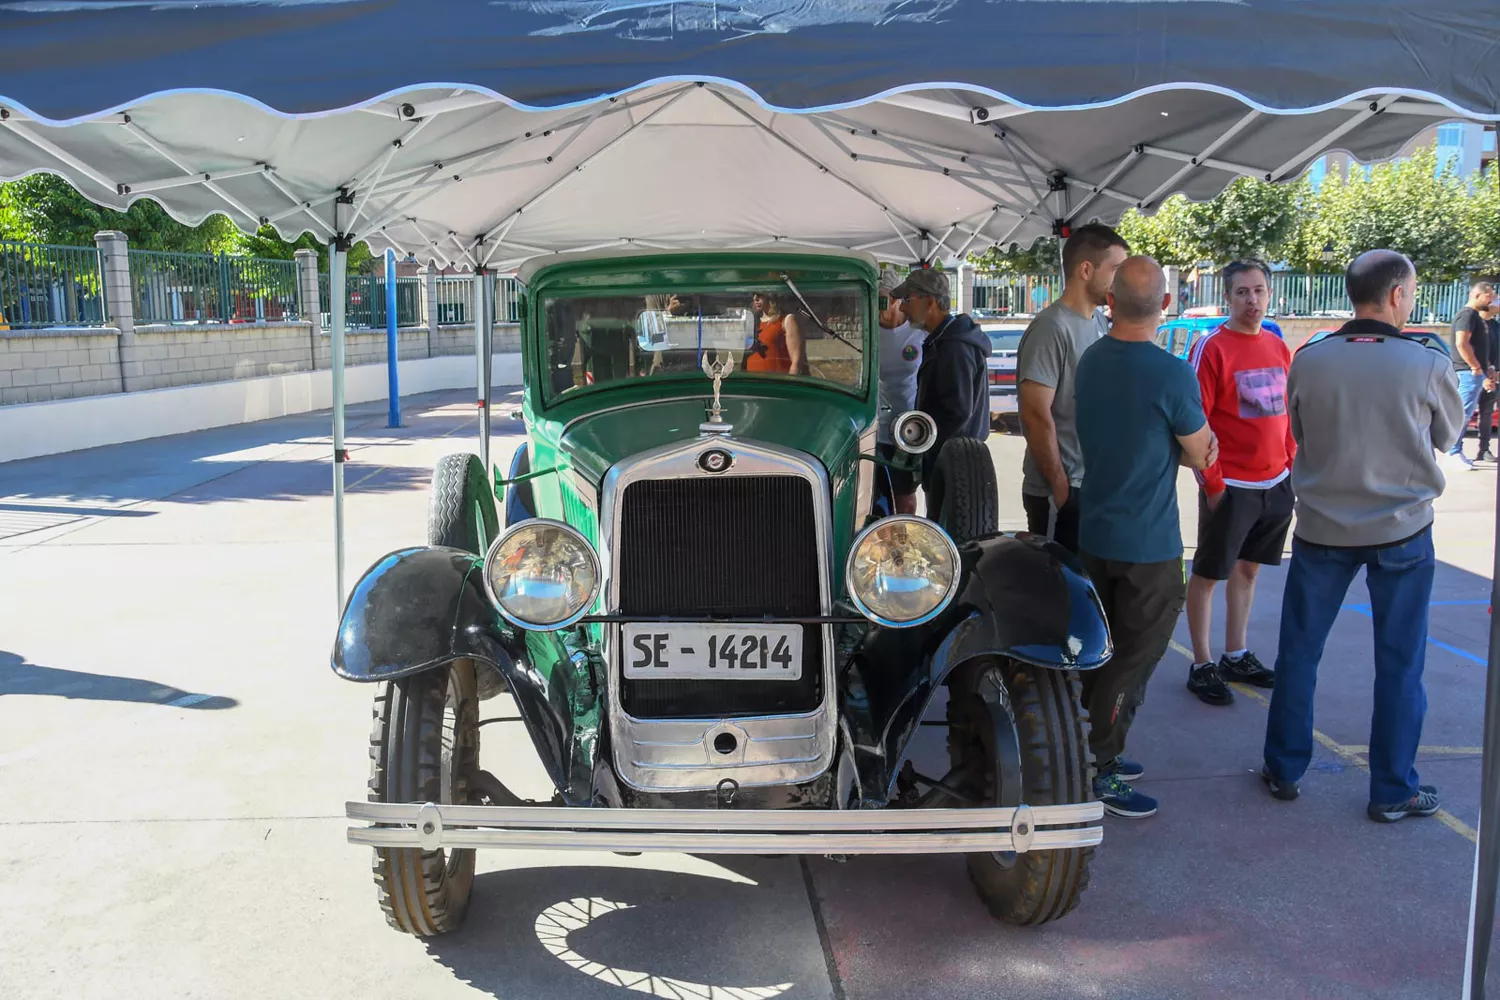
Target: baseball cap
923,281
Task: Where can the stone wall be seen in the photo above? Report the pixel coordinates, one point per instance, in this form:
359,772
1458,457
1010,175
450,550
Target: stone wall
42,365
58,364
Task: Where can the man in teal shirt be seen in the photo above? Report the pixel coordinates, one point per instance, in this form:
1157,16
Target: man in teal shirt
1140,417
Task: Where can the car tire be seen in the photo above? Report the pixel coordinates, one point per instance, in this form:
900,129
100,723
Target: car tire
963,491
461,507
424,746
1047,741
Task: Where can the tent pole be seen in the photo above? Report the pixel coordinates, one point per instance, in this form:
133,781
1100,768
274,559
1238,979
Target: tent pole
392,341
338,261
484,312
1487,848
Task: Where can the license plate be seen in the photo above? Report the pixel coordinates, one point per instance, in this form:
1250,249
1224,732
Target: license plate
713,652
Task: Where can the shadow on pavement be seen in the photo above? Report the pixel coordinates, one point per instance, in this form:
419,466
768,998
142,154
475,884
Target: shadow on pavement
248,461
20,677
582,932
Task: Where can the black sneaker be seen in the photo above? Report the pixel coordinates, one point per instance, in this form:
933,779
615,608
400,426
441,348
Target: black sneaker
1247,670
1121,800
1424,803
1286,791
1120,767
1205,681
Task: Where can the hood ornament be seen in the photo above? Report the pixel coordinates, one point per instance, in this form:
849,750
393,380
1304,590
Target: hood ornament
717,369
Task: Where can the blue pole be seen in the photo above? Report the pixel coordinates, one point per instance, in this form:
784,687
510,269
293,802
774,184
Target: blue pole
391,341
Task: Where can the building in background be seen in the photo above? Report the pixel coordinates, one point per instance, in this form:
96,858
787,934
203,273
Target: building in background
1468,146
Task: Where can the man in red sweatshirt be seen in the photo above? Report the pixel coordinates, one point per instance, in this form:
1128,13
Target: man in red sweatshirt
1245,499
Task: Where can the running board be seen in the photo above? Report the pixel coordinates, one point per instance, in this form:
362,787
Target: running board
728,831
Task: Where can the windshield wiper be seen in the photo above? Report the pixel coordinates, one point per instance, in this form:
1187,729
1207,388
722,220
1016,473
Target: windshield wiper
814,316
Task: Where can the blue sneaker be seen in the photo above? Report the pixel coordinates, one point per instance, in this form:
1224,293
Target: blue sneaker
1121,800
1120,767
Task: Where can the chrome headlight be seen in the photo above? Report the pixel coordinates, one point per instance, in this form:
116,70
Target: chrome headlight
542,574
902,571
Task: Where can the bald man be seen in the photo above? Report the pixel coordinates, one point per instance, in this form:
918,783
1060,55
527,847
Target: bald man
1369,408
1140,417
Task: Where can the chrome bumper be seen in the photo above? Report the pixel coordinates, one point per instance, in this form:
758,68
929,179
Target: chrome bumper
728,831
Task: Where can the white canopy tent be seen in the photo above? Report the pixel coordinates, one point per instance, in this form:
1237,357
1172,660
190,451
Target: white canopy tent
586,124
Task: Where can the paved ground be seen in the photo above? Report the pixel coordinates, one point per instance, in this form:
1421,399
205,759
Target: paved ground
175,755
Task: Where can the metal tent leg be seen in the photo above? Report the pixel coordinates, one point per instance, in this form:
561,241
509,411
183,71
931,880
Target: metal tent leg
392,342
1487,850
484,317
338,262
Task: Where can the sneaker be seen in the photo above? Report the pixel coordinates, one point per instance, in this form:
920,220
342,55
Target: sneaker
1286,791
1424,803
1205,681
1459,462
1121,800
1483,456
1247,670
1122,768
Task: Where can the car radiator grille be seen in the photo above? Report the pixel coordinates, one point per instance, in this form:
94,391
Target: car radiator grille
737,547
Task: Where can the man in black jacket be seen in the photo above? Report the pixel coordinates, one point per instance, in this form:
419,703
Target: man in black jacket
953,382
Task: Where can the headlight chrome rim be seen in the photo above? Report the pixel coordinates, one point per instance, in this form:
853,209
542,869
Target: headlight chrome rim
531,524
948,595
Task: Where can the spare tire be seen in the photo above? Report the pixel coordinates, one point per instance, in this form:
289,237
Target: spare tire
962,496
461,508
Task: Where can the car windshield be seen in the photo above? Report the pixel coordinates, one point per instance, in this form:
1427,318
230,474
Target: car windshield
816,334
1004,340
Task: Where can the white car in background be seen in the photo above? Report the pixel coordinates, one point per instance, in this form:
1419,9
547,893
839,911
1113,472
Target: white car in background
1005,338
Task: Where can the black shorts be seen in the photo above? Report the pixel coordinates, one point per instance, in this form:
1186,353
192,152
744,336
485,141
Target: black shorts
1249,525
903,483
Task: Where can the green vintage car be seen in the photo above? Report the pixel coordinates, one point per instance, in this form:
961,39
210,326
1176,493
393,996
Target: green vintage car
718,636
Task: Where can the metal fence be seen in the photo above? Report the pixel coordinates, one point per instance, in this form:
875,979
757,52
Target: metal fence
364,301
211,288
455,299
49,286
1014,294
1293,294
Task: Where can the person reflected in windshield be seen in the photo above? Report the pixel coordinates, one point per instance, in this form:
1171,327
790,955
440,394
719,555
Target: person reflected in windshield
779,346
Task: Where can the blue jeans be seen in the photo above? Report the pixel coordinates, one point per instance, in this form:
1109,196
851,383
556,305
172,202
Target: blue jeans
1399,578
1469,388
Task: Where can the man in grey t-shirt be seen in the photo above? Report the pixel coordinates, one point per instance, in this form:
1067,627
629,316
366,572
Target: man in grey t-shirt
1046,363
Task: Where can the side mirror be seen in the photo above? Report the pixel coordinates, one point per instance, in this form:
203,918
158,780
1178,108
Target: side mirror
914,431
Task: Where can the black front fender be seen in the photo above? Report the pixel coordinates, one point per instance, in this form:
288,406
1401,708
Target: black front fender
1023,599
420,609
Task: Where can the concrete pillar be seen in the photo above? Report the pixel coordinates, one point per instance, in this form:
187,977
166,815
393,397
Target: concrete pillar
309,296
114,271
965,287
429,316
1174,285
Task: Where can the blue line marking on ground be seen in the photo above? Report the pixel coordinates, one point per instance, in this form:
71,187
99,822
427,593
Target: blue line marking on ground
1364,609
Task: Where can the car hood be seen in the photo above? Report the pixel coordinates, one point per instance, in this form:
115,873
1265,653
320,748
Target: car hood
825,425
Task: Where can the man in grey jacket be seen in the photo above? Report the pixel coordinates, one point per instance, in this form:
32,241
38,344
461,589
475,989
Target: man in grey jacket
1370,409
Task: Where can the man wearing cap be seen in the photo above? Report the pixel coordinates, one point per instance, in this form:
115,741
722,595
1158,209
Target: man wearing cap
900,357
953,380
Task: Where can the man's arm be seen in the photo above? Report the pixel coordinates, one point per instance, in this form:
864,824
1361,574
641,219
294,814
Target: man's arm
796,346
1447,406
1041,436
1039,363
1206,367
1463,339
1200,449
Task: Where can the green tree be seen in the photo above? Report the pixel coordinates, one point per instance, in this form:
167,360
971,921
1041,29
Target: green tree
1164,234
1038,258
1409,205
50,210
1249,218
1482,223
266,243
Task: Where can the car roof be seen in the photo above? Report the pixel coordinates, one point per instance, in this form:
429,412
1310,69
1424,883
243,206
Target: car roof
529,269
